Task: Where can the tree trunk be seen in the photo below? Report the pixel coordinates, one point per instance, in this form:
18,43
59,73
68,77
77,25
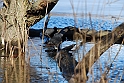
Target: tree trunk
92,56
18,15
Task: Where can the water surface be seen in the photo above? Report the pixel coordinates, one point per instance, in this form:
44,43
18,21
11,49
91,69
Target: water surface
44,69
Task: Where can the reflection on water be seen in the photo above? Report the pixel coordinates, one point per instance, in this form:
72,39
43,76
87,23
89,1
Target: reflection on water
13,70
40,68
37,67
116,73
45,67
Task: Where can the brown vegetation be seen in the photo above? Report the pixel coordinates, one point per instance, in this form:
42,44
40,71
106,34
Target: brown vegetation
16,16
92,56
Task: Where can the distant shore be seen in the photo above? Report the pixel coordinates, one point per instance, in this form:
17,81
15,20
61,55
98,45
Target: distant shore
108,17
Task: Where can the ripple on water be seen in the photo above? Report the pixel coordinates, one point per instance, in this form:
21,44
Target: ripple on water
61,22
45,69
117,68
98,68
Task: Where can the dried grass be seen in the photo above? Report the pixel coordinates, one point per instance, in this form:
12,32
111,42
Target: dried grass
17,70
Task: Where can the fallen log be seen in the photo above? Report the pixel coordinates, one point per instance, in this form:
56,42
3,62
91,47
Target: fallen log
64,59
66,62
92,56
36,33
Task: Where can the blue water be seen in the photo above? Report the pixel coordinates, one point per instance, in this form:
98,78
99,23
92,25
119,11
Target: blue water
107,58
47,67
116,71
62,21
97,7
